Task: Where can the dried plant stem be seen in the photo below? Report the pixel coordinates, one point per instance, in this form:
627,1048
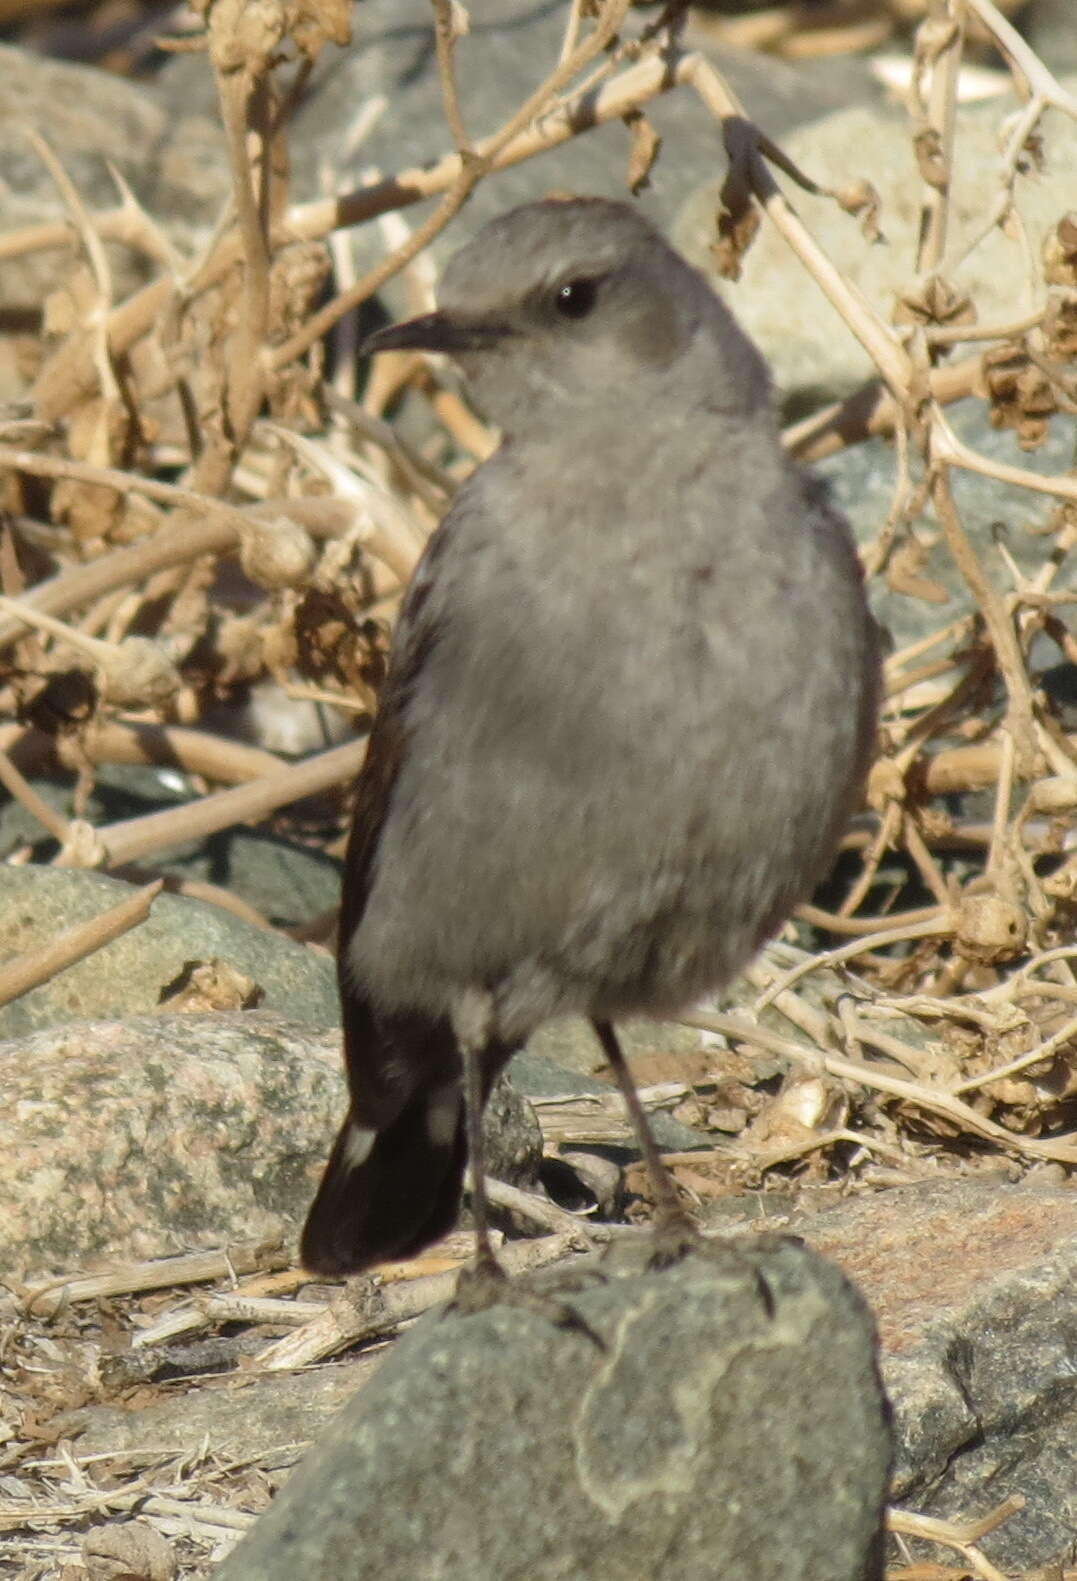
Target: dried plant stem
455,176
889,826
611,101
48,1297
134,839
796,1009
926,866
936,924
70,374
365,1309
933,1100
239,93
109,225
42,466
215,758
572,31
761,1160
128,566
74,944
961,1536
98,259
1020,715
942,38
191,751
445,45
16,784
870,412
957,334
1043,92
1001,819
948,448
199,889
864,927
92,648
1023,58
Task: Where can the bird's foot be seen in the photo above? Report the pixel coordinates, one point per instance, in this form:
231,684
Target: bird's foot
485,1284
675,1237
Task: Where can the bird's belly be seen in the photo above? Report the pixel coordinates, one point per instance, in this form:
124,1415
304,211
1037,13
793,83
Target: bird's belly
676,914
607,864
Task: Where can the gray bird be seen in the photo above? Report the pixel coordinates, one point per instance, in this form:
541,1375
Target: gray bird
630,704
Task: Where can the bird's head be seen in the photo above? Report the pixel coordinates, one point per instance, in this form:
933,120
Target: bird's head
563,306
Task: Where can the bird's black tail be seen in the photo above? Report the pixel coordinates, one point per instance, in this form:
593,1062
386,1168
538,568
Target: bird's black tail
390,1193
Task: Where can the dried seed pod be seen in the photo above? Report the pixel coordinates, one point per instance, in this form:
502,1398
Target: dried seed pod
989,929
137,673
1060,252
276,553
130,1548
1021,396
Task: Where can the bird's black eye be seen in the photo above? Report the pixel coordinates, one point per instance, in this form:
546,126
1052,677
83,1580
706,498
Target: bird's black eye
576,298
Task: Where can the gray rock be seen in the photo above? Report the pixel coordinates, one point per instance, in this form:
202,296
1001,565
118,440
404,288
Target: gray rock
572,1043
1048,26
288,882
269,1416
513,1136
160,1135
971,1283
732,1425
812,351
174,163
863,479
538,1076
509,49
127,976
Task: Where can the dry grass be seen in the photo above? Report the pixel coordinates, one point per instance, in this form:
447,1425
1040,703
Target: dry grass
187,436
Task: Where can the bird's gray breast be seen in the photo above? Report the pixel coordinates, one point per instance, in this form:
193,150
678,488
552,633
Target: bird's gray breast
627,744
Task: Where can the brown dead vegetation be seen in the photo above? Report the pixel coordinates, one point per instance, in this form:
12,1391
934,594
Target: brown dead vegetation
185,440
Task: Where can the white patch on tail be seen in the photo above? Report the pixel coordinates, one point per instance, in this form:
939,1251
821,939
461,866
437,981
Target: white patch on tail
357,1146
442,1113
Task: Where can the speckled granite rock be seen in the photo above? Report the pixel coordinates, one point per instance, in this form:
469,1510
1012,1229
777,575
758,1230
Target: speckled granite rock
173,1133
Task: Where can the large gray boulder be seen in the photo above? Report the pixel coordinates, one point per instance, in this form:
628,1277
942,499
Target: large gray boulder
730,1424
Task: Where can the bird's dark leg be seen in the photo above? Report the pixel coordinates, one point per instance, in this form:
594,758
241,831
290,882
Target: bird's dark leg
471,1053
486,1284
481,1284
674,1232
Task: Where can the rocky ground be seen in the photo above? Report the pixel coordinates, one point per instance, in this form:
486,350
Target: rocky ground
221,516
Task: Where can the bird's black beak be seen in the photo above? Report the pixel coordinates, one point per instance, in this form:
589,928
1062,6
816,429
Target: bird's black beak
435,332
